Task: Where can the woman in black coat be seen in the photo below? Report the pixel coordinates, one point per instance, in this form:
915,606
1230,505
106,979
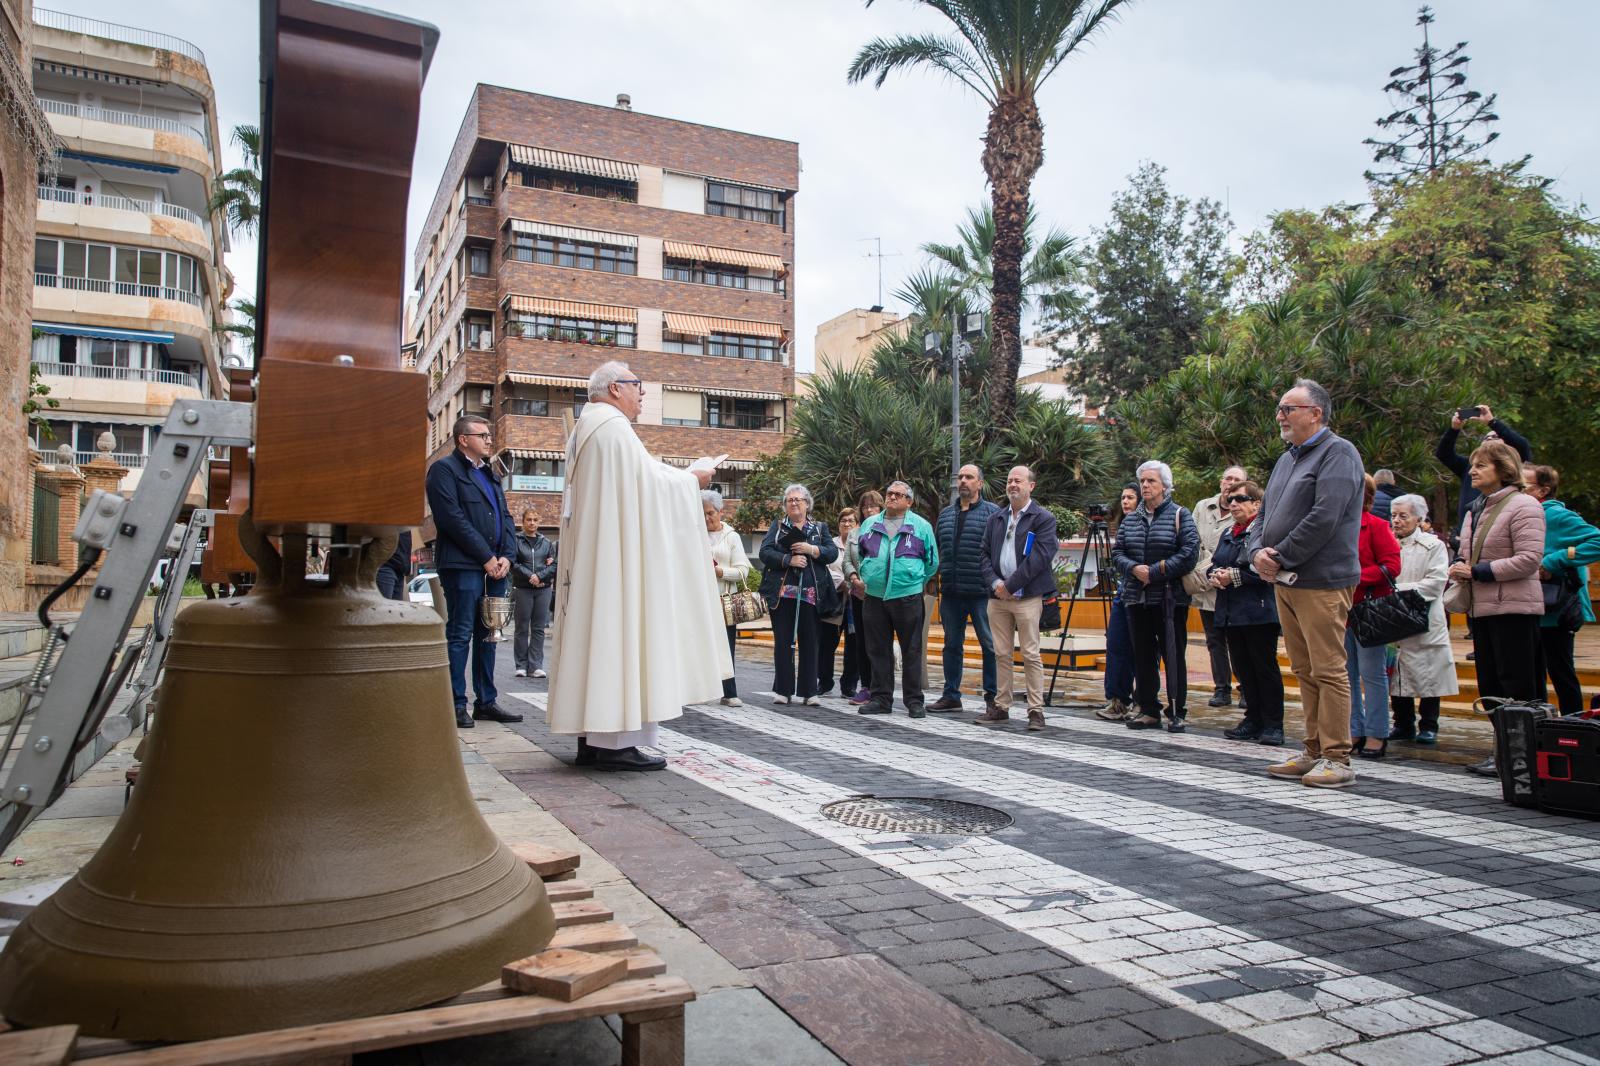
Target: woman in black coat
799,591
1247,614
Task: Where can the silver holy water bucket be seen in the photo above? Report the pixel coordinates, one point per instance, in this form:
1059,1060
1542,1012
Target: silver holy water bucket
495,614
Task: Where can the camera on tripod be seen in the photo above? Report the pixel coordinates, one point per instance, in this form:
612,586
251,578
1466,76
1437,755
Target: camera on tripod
1098,512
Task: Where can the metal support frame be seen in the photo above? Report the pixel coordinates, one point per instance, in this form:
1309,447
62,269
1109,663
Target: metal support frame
73,690
153,648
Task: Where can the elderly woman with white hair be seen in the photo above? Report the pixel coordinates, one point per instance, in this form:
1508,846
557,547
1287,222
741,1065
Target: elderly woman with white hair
799,592
1156,545
1424,667
731,565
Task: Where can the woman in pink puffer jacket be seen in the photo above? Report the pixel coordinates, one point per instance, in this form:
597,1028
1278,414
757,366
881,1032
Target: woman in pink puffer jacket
1503,571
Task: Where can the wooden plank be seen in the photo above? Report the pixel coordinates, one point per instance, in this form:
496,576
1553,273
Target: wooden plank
604,936
564,875
50,1046
360,1035
564,974
642,962
581,912
653,1038
567,891
546,861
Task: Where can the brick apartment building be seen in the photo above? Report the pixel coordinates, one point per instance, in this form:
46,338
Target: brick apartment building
565,234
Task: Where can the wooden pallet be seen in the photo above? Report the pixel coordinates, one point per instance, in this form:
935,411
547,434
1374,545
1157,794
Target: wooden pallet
649,1003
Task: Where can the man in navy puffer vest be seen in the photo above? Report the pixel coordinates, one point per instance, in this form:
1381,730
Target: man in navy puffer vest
963,593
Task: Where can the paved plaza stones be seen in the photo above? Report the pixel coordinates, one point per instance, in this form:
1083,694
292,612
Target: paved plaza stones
1157,899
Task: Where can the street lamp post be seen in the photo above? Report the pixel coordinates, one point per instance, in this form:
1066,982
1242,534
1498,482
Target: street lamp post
966,327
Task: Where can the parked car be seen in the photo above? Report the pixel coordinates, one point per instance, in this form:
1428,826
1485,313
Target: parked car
418,591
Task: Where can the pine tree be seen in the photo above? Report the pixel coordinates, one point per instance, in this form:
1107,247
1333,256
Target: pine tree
1436,116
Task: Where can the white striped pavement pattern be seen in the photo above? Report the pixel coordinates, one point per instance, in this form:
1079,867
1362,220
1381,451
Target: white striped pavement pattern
1512,919
1146,943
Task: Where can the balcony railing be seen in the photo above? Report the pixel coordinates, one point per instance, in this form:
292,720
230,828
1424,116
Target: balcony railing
120,288
115,373
131,459
127,118
112,31
56,194
743,421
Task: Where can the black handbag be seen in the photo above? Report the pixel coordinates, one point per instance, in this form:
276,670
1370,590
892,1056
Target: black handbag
1561,599
1383,620
1050,612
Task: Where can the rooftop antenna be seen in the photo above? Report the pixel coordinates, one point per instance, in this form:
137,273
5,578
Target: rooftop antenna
880,255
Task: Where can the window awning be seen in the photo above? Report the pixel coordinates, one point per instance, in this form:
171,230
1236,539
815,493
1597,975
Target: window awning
105,334
745,394
702,326
749,185
571,163
126,164
736,394
590,236
553,380
706,253
534,305
536,453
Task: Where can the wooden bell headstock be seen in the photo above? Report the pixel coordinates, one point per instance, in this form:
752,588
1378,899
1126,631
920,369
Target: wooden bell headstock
341,429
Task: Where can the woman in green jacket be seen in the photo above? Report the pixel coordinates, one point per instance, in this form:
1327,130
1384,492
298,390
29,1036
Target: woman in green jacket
1569,544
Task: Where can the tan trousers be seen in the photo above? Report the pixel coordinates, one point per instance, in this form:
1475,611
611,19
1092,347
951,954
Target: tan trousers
1015,622
1313,634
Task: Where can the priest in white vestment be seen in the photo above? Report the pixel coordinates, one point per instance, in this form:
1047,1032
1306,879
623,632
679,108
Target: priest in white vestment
639,629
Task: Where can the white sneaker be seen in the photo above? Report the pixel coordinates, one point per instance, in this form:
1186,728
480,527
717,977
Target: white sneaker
732,701
812,701
783,700
522,673
1329,774
540,673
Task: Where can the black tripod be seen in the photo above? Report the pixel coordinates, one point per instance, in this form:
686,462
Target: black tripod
1097,541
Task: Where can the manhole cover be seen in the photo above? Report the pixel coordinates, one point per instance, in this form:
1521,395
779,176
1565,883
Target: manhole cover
917,814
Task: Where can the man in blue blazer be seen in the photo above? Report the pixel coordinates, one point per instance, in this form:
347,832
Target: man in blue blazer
473,556
1019,548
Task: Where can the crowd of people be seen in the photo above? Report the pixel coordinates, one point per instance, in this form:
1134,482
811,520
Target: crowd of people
1286,561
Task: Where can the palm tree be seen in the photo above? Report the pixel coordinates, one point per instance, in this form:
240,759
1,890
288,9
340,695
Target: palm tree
245,327
1050,268
237,193
1003,50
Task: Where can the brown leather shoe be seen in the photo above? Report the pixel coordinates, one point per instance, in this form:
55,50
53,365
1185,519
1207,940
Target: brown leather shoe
993,714
1143,721
945,703
1035,721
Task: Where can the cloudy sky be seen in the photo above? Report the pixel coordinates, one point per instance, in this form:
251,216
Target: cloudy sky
1261,104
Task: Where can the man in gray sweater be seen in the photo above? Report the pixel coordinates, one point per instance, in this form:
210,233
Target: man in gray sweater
1307,542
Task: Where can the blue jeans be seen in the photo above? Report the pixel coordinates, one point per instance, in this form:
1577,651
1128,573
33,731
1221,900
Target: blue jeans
465,634
1119,655
954,610
1369,688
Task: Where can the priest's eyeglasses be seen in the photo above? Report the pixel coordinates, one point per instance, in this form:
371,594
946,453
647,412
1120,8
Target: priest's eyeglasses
631,381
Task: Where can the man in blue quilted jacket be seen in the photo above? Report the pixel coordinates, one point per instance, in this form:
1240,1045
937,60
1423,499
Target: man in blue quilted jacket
963,594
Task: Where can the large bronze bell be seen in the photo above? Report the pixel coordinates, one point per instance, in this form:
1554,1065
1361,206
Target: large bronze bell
302,845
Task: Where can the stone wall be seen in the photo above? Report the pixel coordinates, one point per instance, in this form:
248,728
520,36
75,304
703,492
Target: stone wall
18,178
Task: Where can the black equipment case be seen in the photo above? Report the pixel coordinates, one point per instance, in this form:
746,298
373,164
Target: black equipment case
1568,765
1515,745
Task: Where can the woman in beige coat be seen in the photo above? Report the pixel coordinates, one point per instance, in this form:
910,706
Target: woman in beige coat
1424,668
1502,543
732,566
